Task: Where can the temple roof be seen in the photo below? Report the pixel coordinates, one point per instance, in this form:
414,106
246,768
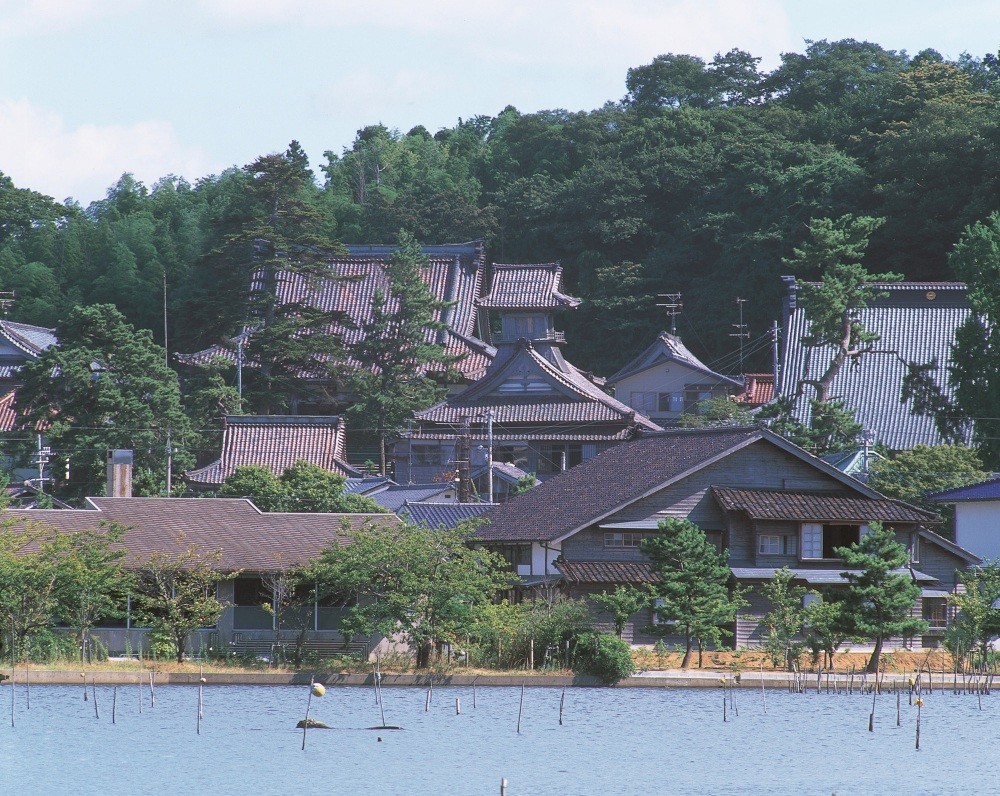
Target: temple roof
527,287
669,348
276,442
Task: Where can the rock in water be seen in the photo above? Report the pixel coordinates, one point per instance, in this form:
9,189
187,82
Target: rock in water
311,724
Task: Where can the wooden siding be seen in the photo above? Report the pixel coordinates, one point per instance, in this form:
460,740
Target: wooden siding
588,545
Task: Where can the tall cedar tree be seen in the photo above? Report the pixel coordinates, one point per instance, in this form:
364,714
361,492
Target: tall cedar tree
694,597
268,268
879,596
397,347
104,386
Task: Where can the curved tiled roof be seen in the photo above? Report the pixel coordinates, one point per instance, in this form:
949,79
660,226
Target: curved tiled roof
607,572
32,340
669,348
446,515
527,286
769,504
277,442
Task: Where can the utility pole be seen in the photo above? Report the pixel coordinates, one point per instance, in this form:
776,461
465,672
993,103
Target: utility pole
462,462
239,369
166,346
170,462
41,459
774,356
489,455
673,305
741,332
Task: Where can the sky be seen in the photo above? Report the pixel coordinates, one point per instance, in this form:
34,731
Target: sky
90,89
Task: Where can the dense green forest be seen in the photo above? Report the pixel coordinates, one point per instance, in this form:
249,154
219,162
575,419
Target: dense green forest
700,180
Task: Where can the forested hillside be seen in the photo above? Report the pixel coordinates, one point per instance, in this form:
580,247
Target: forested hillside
700,180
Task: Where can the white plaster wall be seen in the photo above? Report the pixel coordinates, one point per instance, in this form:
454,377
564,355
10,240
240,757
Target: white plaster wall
542,558
977,527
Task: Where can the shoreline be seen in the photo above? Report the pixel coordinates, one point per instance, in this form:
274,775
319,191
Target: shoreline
652,679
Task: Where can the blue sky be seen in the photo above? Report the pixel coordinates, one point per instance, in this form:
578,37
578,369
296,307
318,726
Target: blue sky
90,89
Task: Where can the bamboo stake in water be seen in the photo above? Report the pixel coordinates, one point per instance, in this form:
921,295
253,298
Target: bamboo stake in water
871,716
458,706
27,678
152,695
93,685
520,707
114,703
473,694
84,676
562,701
427,701
763,696
920,704
898,721
201,702
503,787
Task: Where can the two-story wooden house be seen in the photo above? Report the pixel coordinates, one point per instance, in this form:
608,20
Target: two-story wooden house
765,500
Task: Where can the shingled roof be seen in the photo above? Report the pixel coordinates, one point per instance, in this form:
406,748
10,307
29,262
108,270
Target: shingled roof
607,572
772,504
454,275
917,323
442,515
277,442
984,490
527,286
608,481
248,538
31,340
573,399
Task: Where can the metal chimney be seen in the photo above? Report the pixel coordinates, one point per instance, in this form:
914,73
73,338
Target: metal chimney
119,473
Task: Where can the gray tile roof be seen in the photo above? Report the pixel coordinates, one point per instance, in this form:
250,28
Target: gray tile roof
276,442
32,340
527,286
573,400
609,572
597,486
393,498
442,515
770,504
917,322
247,537
817,577
454,275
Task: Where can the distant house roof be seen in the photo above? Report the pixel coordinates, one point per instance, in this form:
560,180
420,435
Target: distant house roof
504,471
248,538
666,349
442,515
571,398
276,442
627,472
367,484
395,496
31,340
454,275
984,490
531,286
772,504
917,323
758,389
8,415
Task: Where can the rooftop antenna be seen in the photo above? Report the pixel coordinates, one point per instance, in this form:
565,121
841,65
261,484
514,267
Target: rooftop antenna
741,333
672,303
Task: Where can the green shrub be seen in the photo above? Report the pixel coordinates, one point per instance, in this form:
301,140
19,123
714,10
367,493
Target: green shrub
605,656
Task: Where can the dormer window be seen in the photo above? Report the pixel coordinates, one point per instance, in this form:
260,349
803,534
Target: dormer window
524,383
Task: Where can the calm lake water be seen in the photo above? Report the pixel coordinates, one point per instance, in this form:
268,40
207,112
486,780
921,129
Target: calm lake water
628,741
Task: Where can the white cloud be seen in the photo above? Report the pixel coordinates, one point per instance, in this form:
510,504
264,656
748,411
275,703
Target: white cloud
38,152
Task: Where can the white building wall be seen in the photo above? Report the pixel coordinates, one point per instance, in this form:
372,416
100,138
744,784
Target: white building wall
977,527
542,558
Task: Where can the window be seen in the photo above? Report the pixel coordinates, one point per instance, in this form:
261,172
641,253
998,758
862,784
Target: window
622,539
670,402
935,611
644,402
424,455
776,545
694,394
515,554
251,591
657,403
524,383
511,454
530,327
915,548
658,619
820,541
554,458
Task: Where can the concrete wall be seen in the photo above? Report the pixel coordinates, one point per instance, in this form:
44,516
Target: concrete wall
977,527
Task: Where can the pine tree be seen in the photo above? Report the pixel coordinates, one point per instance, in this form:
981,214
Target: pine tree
694,599
396,349
879,597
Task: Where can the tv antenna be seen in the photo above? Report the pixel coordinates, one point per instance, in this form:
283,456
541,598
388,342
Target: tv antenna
741,333
672,303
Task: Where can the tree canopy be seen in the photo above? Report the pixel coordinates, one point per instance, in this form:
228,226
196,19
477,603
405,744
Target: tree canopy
302,487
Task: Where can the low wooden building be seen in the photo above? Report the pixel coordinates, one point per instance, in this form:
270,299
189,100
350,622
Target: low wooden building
765,500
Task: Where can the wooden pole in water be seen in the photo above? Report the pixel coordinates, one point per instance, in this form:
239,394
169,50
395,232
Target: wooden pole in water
27,677
458,706
427,701
473,694
84,676
898,721
871,716
93,685
562,701
920,704
763,696
520,707
503,787
114,703
305,724
201,703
